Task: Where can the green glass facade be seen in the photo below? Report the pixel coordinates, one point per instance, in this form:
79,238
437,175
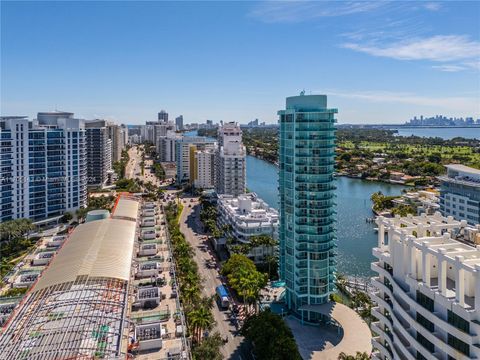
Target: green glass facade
307,201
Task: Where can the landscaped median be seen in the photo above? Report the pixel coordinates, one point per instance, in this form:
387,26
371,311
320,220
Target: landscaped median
198,309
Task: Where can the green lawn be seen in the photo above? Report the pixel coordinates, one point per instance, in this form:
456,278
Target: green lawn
463,154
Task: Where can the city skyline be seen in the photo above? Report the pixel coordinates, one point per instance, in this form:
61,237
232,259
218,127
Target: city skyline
396,59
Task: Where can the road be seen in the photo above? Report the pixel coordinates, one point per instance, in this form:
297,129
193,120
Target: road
191,227
133,166
133,169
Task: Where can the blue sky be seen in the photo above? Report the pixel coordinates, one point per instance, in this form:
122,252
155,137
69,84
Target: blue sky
378,62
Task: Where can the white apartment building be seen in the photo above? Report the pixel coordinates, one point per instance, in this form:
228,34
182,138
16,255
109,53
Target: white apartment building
204,169
147,133
185,148
460,193
119,137
231,161
166,146
43,166
427,289
245,216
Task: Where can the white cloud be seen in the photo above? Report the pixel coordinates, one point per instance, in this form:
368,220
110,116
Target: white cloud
454,103
449,68
432,6
297,11
441,48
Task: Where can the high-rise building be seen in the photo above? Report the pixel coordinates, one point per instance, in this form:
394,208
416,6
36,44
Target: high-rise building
44,170
147,132
231,161
427,289
14,169
179,122
307,205
184,154
166,147
163,116
99,152
203,175
116,134
460,193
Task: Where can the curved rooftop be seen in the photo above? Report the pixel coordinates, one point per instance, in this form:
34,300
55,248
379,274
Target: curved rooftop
76,309
126,208
101,248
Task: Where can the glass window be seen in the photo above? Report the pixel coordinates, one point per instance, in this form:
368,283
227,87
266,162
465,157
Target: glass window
458,345
427,324
427,344
425,301
458,322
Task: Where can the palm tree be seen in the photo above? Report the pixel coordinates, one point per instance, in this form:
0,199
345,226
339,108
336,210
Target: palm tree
271,260
190,295
207,302
200,319
209,348
15,229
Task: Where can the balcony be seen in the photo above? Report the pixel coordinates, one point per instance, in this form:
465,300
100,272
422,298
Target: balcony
377,344
402,303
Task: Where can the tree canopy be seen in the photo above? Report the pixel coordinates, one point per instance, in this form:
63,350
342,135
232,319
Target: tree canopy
272,339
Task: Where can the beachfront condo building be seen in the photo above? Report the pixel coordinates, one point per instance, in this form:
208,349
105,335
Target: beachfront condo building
43,166
460,193
185,148
231,161
307,203
427,289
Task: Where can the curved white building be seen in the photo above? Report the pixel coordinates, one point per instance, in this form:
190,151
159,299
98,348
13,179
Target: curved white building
427,289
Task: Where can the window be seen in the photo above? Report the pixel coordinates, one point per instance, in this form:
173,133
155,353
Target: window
425,301
427,324
458,322
458,345
420,356
427,344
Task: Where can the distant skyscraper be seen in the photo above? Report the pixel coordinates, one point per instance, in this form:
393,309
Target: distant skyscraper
163,116
179,122
43,169
231,161
307,205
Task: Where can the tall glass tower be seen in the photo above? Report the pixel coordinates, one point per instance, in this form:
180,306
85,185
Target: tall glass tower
307,202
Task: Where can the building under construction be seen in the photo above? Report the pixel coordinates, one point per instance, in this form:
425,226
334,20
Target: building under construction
78,306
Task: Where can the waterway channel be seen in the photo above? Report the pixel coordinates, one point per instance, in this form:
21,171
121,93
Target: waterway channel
356,237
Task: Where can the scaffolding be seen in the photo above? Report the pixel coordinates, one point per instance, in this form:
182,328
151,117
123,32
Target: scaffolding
70,320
